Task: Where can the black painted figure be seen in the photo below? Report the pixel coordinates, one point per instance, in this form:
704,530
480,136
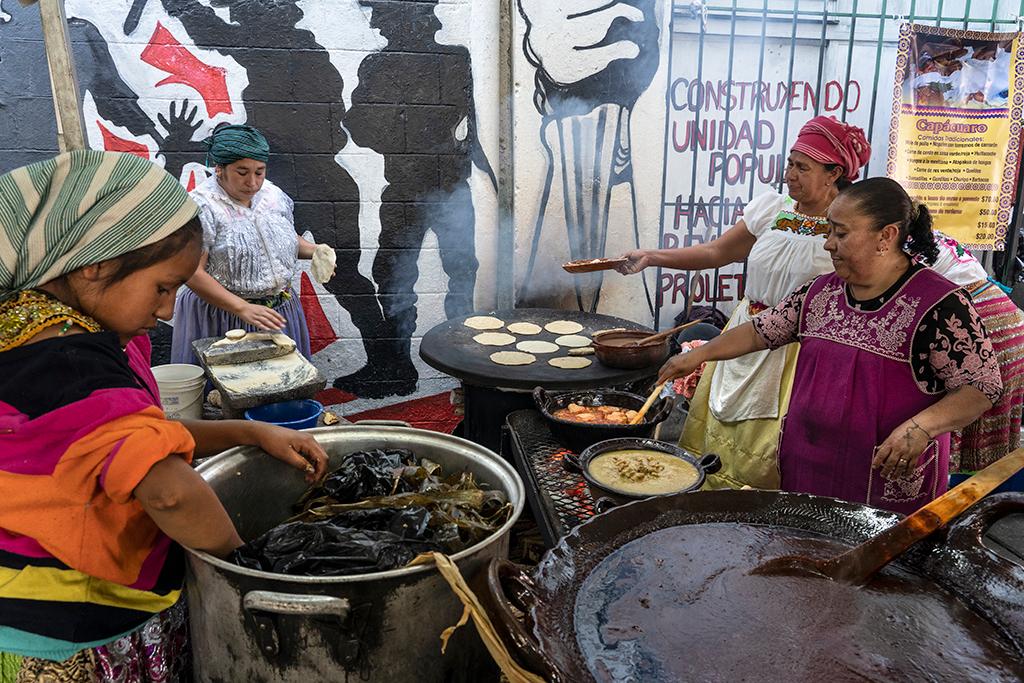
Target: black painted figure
118,103
414,105
294,97
115,100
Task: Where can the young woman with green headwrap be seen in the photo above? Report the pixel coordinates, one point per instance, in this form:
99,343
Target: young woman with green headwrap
96,489
250,249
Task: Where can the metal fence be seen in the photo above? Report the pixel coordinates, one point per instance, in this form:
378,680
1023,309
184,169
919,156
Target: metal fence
846,34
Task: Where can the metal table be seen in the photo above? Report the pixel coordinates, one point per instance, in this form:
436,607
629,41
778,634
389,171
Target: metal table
493,391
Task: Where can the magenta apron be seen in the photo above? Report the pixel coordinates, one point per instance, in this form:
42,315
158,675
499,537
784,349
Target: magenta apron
854,385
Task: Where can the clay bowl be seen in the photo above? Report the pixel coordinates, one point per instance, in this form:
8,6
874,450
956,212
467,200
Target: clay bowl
616,350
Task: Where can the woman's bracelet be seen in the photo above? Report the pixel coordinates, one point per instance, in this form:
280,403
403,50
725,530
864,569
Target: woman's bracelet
914,422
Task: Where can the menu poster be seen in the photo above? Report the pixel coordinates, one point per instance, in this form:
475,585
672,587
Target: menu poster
954,143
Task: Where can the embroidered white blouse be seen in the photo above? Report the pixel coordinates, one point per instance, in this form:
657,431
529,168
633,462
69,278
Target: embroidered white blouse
253,251
789,251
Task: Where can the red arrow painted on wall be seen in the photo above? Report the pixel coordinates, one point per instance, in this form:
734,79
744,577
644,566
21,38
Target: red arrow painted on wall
114,143
167,54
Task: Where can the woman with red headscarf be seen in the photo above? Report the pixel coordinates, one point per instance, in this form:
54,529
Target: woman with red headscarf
738,407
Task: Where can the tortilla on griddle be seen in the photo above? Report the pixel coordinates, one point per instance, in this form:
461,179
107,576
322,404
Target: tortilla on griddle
512,358
524,328
484,322
570,362
537,346
573,341
563,327
494,339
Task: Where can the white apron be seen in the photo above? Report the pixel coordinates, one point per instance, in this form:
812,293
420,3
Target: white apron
781,260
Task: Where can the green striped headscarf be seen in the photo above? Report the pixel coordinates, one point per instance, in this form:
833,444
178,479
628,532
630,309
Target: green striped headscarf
230,143
81,208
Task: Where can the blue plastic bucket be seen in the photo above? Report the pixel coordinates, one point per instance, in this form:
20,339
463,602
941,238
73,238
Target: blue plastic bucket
1014,483
301,414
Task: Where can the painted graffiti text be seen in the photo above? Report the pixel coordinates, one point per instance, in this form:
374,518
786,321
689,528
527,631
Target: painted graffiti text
721,95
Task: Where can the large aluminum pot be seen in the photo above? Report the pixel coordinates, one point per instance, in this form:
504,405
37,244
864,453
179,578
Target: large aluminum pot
252,625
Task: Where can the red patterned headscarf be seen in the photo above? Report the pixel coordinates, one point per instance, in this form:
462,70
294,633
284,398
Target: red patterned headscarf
829,141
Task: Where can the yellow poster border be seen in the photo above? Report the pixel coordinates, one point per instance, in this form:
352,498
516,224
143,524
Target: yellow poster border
1007,187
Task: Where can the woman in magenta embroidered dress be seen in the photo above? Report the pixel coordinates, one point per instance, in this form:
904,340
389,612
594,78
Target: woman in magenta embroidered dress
893,357
738,406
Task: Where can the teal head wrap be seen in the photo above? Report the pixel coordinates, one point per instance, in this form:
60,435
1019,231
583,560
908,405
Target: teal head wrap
230,143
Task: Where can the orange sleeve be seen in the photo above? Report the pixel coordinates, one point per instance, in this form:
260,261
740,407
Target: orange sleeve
84,512
140,441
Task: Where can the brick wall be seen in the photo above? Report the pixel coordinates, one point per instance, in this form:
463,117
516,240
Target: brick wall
378,120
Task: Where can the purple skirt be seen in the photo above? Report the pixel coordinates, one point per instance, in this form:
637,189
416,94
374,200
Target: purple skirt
196,319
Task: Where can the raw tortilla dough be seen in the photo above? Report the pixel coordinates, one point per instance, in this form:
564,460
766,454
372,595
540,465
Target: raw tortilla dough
524,328
232,337
494,339
537,346
512,358
573,341
569,362
324,260
484,322
563,327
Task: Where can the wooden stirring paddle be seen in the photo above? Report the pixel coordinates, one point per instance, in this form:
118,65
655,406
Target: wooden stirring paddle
658,336
639,417
857,565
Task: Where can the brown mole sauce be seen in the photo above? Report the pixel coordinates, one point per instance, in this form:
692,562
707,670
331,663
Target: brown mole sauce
679,605
622,339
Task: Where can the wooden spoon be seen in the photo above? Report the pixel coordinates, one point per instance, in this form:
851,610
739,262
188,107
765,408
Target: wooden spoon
658,336
639,417
857,565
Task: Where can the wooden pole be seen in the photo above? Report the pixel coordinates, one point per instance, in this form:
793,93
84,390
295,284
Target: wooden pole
505,266
63,81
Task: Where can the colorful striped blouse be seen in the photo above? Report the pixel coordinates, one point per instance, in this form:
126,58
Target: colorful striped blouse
81,563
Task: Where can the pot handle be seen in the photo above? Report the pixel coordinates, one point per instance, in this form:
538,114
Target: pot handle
298,605
972,558
385,423
661,410
710,463
968,531
540,397
571,463
259,604
523,597
604,504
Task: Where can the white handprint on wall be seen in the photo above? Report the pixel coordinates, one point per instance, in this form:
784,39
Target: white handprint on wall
593,59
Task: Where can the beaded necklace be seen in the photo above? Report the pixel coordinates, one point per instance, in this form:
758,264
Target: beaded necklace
32,311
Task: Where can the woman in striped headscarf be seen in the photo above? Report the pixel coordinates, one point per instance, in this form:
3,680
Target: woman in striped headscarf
95,483
250,249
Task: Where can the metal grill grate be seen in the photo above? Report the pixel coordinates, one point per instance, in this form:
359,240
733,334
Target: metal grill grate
559,499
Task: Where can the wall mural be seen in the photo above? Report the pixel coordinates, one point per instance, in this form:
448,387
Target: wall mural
369,109
593,59
427,169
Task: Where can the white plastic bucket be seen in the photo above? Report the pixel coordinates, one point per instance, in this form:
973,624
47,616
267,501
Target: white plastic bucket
181,390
